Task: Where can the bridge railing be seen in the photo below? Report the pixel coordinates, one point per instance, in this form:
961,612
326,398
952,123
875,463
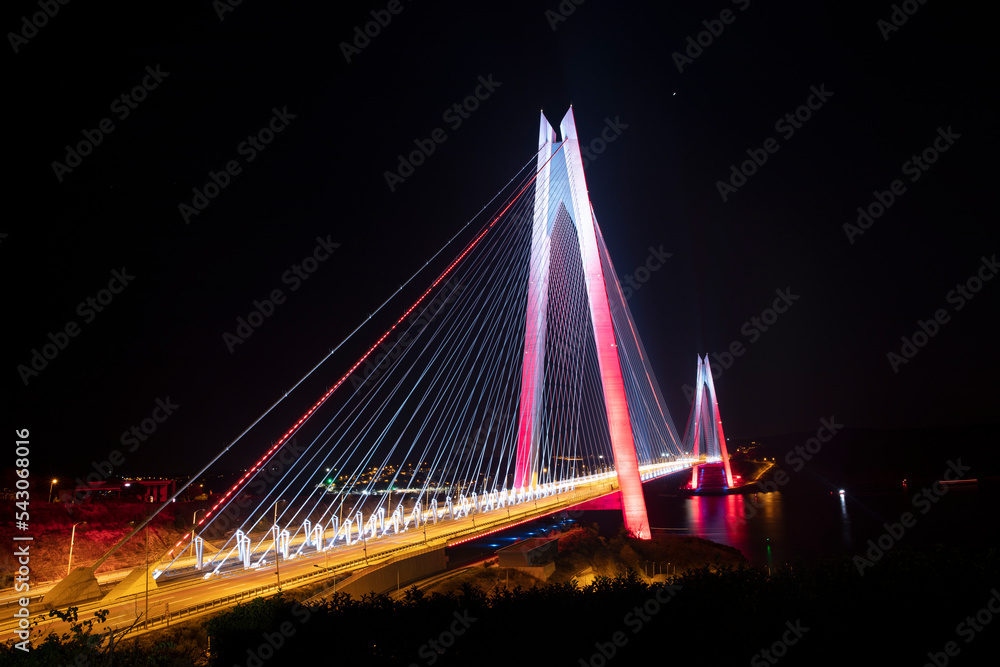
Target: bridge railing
507,518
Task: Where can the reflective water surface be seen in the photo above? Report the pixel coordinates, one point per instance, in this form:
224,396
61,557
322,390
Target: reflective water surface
815,521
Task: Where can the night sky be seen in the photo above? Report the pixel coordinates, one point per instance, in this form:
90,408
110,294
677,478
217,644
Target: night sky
680,115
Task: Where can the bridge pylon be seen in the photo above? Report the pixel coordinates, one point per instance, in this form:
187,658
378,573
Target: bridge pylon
705,424
561,190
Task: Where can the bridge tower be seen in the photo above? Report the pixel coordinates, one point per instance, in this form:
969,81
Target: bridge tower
561,190
705,424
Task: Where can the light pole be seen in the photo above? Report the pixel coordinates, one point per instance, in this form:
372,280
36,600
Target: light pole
334,580
277,541
364,542
72,537
54,482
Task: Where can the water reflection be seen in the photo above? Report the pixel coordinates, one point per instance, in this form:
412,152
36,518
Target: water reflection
845,521
729,519
782,526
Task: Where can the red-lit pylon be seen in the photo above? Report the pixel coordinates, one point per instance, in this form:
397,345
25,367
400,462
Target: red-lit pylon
569,178
705,423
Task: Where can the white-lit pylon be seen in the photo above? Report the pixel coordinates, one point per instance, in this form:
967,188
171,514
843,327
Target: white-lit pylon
705,423
570,179
533,366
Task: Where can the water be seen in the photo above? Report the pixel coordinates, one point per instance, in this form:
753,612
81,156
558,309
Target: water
812,521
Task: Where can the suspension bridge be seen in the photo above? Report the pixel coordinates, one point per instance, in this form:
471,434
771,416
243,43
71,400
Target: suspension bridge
514,387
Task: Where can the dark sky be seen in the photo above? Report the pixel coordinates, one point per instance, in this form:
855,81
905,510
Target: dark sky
655,185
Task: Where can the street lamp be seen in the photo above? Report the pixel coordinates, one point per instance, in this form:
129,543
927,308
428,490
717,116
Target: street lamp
72,537
334,579
364,541
54,482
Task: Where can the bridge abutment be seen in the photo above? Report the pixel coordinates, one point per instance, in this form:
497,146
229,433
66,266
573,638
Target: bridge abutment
79,585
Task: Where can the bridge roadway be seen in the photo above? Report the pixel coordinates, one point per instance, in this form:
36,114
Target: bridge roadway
198,595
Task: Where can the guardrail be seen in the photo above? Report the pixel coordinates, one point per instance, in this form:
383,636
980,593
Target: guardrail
380,559
291,582
31,600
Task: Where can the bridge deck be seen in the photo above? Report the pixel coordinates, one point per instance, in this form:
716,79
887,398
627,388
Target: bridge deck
199,593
